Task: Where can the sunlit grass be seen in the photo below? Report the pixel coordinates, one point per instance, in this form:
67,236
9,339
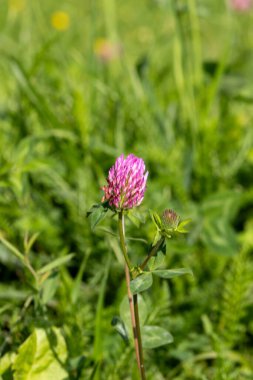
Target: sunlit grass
170,82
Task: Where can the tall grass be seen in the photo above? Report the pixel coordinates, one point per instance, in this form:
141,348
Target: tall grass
179,94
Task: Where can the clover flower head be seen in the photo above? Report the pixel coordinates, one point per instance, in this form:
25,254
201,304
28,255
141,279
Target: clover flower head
126,183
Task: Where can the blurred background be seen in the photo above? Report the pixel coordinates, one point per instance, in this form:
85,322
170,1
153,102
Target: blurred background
172,82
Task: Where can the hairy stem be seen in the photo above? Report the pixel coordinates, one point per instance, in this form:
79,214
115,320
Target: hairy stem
138,335
133,301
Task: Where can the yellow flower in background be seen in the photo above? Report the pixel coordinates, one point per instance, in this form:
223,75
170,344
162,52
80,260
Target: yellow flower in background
60,20
107,50
17,5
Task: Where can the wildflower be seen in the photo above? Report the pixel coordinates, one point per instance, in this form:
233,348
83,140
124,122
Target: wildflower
126,183
60,20
170,218
106,50
241,5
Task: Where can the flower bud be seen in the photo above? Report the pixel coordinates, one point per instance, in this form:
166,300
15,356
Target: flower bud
170,218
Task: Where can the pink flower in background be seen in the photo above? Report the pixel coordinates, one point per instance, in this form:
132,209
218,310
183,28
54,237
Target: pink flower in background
241,5
126,183
107,50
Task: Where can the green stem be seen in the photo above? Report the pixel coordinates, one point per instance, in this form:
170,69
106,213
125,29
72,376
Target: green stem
135,315
153,251
122,240
32,271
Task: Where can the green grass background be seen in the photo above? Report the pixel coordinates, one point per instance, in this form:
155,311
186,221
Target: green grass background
179,95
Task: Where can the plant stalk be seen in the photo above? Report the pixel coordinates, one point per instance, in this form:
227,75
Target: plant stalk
133,302
122,240
138,335
153,251
132,313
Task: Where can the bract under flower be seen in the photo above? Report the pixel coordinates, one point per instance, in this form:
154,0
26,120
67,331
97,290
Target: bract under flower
126,183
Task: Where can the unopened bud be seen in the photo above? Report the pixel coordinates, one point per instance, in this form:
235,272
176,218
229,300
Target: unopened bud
170,218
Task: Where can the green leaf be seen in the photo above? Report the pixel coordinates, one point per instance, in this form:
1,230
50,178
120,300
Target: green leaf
156,238
56,263
136,217
49,288
96,214
155,336
10,293
181,227
141,283
12,249
95,371
171,273
120,327
6,258
5,307
207,325
41,356
133,219
76,288
76,364
6,362
156,219
31,241
156,261
151,263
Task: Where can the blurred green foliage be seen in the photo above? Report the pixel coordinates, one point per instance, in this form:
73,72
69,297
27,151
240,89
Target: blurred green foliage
82,82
